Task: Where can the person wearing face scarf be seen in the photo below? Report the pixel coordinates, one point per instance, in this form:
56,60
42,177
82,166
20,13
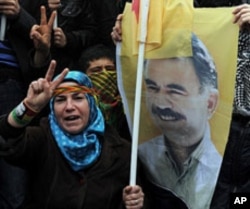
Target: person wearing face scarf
74,158
99,64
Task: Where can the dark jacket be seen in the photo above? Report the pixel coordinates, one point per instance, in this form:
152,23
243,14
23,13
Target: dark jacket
157,197
17,32
105,13
76,18
54,185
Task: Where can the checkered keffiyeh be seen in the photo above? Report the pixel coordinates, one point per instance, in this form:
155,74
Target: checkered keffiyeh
105,85
242,88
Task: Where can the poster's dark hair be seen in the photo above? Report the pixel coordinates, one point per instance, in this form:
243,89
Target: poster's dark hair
94,53
203,63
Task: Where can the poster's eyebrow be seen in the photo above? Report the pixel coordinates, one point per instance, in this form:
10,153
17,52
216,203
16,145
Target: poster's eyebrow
169,86
176,86
150,82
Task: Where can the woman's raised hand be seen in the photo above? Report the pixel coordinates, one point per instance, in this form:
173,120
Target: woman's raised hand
41,90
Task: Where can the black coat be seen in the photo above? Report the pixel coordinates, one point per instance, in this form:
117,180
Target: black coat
54,185
17,32
76,19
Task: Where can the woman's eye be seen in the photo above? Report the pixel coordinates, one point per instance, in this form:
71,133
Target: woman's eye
79,98
59,100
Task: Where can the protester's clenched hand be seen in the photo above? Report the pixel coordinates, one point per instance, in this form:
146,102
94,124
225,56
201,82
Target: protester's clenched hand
60,39
10,8
54,4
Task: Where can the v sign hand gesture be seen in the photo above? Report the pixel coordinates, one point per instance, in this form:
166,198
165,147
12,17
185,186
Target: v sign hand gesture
41,90
38,96
41,36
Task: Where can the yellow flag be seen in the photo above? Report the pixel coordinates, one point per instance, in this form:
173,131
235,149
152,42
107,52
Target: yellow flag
170,24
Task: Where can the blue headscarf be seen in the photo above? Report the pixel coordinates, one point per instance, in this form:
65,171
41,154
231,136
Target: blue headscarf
83,149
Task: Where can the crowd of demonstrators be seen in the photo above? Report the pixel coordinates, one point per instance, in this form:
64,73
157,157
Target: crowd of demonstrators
54,166
16,71
19,64
92,61
73,29
75,159
98,62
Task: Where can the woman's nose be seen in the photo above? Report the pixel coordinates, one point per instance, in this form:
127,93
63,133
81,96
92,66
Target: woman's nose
69,104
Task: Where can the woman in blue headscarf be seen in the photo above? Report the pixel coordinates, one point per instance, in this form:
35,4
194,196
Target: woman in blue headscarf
75,160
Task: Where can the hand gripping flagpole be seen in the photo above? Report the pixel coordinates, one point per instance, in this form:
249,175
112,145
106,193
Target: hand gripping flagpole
144,8
3,27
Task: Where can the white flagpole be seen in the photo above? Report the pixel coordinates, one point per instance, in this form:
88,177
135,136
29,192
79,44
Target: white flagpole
3,27
121,86
144,8
55,23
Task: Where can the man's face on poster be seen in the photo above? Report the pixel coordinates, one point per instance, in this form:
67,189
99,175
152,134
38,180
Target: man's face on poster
175,100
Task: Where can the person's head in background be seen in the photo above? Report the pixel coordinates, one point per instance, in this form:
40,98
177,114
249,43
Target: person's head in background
182,94
98,62
96,56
